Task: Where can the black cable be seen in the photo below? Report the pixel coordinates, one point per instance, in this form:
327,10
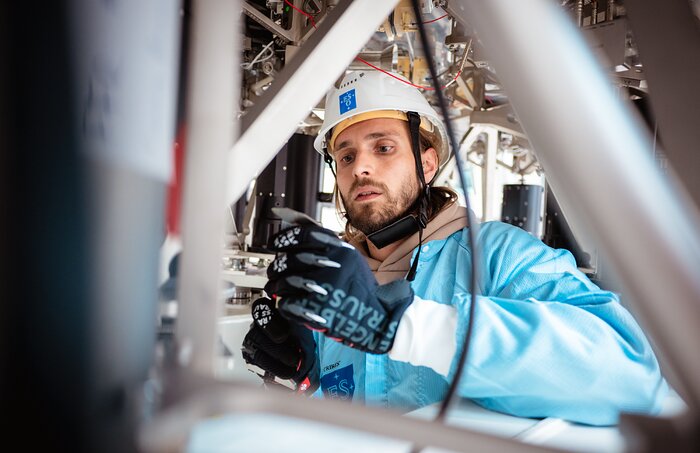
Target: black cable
473,226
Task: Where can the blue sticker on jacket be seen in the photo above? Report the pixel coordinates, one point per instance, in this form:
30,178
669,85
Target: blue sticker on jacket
347,101
339,384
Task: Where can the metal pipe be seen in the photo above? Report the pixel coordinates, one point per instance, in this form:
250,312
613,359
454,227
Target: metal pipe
125,82
594,12
579,12
610,10
212,96
447,173
381,58
265,21
490,201
646,224
169,431
299,86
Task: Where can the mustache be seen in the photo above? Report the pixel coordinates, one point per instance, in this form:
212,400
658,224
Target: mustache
367,182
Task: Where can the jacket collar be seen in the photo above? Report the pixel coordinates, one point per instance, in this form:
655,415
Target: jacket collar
450,219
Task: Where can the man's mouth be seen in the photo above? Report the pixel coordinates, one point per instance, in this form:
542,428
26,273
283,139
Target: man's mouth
366,195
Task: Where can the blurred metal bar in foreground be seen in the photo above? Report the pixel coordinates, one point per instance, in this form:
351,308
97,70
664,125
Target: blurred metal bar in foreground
212,100
668,38
169,431
300,85
606,169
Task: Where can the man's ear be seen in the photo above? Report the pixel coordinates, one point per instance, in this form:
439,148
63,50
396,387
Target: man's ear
429,160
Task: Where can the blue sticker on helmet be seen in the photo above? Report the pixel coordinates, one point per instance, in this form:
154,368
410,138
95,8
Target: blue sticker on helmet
339,384
347,101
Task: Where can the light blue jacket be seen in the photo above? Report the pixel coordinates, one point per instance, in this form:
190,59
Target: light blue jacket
546,341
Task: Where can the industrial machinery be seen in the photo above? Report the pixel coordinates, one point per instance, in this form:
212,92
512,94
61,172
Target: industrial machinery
577,118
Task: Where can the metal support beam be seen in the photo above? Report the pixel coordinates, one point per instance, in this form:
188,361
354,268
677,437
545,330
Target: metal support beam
125,82
447,176
213,87
647,226
500,117
265,21
668,38
470,97
170,430
489,188
300,85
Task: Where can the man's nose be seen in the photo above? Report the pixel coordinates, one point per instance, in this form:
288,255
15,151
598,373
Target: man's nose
364,164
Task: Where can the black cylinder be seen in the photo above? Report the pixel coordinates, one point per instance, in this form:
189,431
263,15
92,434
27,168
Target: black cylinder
290,180
522,207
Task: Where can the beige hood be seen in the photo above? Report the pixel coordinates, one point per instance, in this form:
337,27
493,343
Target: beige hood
396,265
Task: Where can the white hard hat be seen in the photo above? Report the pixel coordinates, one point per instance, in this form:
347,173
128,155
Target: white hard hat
364,95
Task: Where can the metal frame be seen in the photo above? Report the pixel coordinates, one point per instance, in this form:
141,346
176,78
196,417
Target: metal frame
648,225
169,431
593,170
500,117
447,173
672,93
297,33
489,186
265,21
213,87
300,85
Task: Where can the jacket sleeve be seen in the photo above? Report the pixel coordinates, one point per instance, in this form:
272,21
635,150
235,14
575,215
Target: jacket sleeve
546,341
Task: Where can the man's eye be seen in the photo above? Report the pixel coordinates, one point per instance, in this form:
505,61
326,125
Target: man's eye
385,148
346,159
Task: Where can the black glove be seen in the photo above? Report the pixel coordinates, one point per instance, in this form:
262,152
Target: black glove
324,283
280,352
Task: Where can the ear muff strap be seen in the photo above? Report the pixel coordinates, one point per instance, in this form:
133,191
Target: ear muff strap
413,128
329,160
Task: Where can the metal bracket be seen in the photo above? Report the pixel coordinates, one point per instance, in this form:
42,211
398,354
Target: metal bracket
300,85
265,21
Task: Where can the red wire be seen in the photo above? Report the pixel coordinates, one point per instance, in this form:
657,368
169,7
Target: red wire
435,20
400,79
302,12
392,75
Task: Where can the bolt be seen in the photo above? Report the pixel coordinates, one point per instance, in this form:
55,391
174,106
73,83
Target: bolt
268,67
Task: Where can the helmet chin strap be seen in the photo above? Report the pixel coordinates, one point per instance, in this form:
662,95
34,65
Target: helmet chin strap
327,158
410,223
399,229
424,196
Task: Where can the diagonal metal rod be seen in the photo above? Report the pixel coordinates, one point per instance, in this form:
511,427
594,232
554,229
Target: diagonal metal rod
201,398
646,223
300,85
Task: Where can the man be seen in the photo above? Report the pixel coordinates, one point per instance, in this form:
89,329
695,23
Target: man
390,306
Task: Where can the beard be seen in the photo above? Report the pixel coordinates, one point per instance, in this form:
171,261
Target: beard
373,216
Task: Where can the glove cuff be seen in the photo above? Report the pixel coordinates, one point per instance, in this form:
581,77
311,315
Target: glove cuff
378,331
394,292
